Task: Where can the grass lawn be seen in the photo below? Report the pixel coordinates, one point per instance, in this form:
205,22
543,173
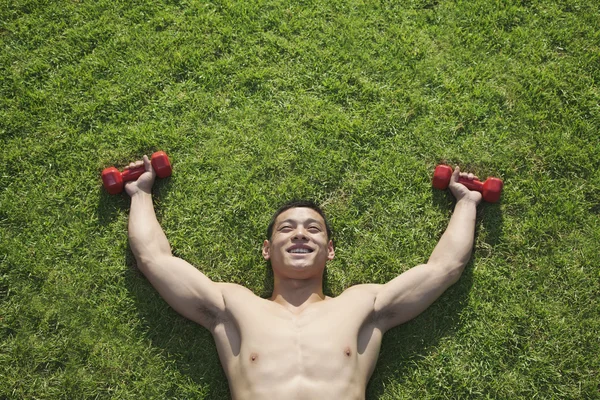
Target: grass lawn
350,103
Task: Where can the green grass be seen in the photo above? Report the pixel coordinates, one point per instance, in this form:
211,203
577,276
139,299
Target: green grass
350,103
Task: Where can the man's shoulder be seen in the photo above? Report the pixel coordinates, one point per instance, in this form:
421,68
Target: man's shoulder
227,287
239,295
363,292
371,288
359,299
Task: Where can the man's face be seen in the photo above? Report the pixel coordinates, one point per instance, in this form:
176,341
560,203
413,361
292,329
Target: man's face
299,246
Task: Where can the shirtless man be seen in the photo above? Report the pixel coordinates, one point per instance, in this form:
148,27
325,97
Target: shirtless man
299,344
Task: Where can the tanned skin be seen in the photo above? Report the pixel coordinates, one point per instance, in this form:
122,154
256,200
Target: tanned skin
299,344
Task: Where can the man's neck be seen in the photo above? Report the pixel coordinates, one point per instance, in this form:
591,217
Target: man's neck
296,294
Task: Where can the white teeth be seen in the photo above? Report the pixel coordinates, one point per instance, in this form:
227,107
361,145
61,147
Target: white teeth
302,251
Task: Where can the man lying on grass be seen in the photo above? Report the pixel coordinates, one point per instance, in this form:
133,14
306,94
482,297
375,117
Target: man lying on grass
299,344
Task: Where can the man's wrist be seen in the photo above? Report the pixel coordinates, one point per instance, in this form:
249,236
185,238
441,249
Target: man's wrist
141,194
467,201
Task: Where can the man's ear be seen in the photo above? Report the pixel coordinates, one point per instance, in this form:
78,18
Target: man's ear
331,251
266,250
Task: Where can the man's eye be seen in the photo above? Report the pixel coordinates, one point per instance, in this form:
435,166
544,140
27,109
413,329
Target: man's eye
314,229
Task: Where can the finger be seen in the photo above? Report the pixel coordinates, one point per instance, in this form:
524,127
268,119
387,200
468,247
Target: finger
456,174
468,175
147,164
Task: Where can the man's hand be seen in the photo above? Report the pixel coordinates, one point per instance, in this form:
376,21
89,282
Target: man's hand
144,182
460,191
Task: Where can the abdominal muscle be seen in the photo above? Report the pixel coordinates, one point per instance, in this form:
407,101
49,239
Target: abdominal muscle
269,353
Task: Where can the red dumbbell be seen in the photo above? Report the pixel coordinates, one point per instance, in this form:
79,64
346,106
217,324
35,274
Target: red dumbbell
114,180
491,189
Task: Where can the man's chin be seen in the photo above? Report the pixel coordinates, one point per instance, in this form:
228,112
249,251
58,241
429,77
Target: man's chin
305,265
300,265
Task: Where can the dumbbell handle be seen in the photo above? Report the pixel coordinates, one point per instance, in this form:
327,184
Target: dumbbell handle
471,184
491,189
113,179
131,174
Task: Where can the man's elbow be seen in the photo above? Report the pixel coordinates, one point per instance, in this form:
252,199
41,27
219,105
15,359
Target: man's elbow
148,252
147,261
455,274
451,271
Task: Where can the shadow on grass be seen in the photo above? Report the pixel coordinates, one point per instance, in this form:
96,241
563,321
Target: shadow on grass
405,345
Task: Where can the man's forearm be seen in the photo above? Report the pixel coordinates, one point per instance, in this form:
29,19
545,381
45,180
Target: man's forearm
453,251
146,237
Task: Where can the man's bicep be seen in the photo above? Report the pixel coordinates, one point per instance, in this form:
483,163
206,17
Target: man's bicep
187,290
409,294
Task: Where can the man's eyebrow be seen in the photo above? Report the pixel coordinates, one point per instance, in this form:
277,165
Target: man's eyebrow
293,221
312,220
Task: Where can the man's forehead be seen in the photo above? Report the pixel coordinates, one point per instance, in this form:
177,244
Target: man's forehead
300,214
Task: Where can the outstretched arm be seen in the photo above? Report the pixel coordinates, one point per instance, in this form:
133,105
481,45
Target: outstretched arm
183,287
412,292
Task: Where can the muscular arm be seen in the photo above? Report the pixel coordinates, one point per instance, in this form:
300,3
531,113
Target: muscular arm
453,251
183,287
412,292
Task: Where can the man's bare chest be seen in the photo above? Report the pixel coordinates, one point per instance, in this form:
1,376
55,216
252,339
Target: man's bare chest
325,340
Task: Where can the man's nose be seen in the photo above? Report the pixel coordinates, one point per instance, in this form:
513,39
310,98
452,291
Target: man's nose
299,233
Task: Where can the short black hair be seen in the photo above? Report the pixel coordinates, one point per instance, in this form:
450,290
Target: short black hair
299,204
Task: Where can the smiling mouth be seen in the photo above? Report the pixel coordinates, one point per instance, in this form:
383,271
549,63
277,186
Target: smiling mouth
300,251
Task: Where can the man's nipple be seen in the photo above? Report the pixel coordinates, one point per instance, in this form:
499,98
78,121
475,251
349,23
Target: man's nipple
254,357
347,351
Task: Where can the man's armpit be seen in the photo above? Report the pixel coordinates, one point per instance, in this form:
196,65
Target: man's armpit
209,316
387,314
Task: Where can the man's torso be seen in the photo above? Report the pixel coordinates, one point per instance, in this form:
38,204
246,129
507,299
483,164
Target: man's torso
328,350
